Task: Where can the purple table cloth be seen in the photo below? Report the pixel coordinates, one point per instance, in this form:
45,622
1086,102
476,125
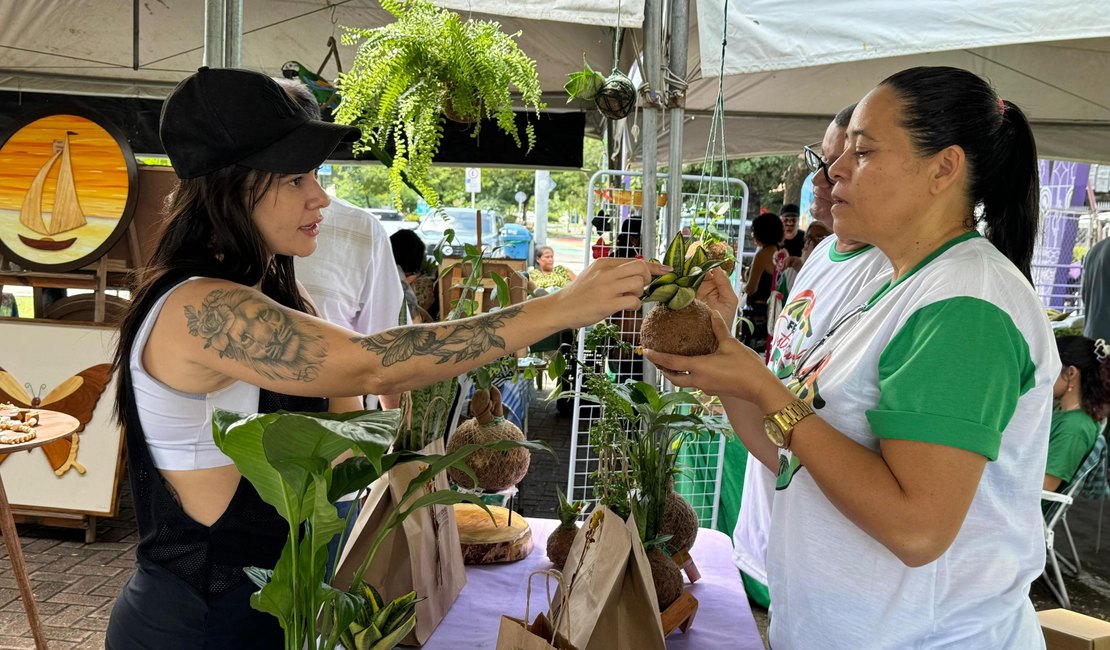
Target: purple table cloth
724,619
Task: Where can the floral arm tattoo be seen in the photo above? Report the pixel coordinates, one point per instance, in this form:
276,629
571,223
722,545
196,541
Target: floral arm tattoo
469,339
240,325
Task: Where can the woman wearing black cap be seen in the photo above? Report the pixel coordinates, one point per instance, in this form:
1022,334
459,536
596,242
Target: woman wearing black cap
219,321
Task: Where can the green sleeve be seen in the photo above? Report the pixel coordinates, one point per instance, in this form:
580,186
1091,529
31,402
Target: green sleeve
1073,434
952,375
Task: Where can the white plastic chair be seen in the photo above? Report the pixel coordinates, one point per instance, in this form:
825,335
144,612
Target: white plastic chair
1056,514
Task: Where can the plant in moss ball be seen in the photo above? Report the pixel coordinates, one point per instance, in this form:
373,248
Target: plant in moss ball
428,64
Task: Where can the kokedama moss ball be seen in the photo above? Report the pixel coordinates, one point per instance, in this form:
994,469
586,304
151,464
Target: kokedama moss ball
720,250
688,331
667,577
558,544
496,470
680,521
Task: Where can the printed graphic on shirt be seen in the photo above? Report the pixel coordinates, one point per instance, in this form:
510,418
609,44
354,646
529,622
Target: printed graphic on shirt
794,321
804,386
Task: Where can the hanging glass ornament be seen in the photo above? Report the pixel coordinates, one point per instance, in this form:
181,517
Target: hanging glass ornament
617,96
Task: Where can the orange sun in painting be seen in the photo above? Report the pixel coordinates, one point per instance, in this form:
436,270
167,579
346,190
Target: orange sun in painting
99,170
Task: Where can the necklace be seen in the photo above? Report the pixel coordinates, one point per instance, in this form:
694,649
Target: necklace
802,370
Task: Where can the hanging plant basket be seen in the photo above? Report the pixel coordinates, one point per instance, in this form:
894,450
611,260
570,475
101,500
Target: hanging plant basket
617,96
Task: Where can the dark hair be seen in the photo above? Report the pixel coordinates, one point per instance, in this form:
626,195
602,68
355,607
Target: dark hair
767,229
209,232
844,116
540,251
1094,375
944,106
408,250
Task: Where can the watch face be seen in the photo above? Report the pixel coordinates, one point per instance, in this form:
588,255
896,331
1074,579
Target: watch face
773,432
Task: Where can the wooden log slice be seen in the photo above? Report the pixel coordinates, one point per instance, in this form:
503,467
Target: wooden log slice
484,542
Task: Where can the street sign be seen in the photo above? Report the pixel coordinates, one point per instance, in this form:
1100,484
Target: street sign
473,180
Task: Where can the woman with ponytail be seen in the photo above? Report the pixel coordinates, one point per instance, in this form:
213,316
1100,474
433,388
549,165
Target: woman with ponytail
1082,394
910,439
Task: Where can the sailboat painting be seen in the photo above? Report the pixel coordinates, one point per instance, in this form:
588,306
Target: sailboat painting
66,189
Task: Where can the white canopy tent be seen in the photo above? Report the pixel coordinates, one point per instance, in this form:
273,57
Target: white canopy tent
790,65
89,46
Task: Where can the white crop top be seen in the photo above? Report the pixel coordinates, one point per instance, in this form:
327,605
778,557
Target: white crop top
178,425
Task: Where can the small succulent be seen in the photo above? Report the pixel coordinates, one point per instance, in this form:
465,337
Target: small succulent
678,288
569,510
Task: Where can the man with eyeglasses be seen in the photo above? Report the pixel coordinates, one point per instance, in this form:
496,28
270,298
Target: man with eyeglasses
837,277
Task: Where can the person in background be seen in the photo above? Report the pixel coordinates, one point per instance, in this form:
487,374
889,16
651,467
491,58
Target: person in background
545,274
1095,289
910,440
1082,394
837,276
787,270
793,238
815,234
219,320
766,233
409,251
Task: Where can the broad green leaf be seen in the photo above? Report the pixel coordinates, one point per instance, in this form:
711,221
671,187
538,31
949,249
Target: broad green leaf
353,474
345,610
325,519
260,577
276,598
557,366
241,440
373,432
440,498
696,260
470,249
503,297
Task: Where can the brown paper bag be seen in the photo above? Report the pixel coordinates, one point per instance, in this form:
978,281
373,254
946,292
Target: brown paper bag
610,601
517,634
423,555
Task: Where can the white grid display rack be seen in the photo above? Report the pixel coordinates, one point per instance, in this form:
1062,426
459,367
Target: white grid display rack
702,458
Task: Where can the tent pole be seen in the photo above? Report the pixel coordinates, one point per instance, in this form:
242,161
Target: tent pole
679,32
223,33
214,33
653,48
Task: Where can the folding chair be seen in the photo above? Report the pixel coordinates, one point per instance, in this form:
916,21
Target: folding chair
1056,512
1097,487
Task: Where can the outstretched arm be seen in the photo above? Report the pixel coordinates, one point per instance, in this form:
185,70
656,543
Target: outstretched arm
211,331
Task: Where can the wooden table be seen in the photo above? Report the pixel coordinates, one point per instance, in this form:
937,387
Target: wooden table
52,426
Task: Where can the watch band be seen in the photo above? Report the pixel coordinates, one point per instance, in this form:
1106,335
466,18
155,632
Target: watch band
789,417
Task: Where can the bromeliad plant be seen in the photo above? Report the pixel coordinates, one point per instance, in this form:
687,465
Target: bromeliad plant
429,63
288,457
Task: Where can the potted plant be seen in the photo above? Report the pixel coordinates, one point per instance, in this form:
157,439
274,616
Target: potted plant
288,457
427,64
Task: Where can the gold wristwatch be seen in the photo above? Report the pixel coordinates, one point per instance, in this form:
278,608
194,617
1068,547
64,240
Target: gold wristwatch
779,425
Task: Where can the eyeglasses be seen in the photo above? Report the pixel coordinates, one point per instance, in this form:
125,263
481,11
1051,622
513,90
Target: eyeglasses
815,161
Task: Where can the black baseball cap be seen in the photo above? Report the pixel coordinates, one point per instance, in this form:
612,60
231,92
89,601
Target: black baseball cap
225,116
788,210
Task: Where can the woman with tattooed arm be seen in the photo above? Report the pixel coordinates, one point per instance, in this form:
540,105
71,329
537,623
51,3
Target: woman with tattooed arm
219,321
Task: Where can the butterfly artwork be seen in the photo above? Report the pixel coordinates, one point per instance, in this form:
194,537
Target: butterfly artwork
76,396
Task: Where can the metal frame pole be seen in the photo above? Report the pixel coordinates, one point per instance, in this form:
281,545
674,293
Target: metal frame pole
679,39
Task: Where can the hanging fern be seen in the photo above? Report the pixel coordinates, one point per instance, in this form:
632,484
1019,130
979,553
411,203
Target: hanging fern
408,74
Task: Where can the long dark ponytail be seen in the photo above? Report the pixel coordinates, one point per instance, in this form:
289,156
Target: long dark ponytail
945,106
208,232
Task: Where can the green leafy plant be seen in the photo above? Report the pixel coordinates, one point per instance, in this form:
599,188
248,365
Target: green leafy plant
288,458
429,63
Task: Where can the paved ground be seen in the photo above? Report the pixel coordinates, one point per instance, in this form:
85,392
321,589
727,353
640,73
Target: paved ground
76,583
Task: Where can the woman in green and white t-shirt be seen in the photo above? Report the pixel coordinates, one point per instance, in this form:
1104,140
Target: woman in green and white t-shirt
1082,392
909,442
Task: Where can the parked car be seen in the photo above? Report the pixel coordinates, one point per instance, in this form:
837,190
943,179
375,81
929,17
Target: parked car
392,220
465,224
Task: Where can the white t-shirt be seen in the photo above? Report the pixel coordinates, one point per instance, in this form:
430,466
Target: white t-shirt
830,284
352,276
958,352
